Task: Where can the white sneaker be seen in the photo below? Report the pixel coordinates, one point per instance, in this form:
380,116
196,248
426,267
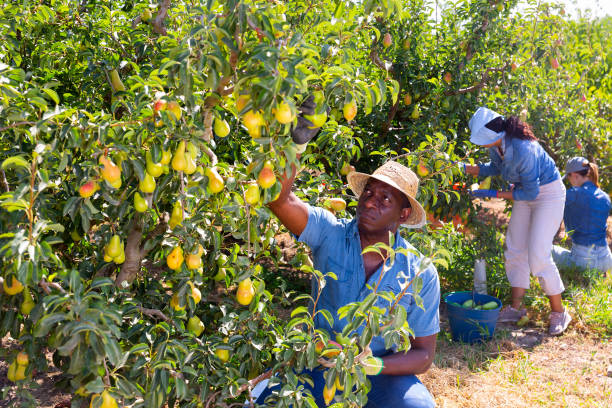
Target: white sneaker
510,315
559,322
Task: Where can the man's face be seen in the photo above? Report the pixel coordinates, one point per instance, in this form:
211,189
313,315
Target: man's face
381,208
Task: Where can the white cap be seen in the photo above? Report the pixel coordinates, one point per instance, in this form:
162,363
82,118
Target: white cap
482,135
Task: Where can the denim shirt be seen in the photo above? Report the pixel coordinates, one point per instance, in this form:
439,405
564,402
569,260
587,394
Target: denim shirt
525,164
336,247
586,213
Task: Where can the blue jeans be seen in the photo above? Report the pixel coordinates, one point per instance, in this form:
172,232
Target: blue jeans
595,257
395,391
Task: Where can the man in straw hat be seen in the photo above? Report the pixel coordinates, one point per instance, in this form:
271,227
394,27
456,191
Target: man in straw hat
386,201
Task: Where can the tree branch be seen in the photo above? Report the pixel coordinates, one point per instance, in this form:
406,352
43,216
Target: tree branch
159,229
3,181
154,313
485,77
391,115
158,22
14,125
47,286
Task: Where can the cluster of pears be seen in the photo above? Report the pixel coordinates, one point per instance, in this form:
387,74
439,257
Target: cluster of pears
17,369
114,251
110,172
193,261
195,294
147,183
107,400
172,107
15,288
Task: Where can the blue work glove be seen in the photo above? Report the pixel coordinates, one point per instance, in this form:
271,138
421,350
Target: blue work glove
484,193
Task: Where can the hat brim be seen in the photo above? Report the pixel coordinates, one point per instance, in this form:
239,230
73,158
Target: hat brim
357,182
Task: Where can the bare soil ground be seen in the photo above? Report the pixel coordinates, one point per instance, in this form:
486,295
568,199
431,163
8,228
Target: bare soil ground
520,367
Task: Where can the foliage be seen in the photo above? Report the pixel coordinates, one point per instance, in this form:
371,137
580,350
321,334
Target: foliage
84,83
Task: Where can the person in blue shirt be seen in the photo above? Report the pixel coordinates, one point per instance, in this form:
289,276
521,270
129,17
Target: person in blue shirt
539,196
386,201
586,213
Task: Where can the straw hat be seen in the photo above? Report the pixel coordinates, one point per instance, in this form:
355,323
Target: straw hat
398,176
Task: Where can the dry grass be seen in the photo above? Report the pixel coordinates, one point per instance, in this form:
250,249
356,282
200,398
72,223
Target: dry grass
522,368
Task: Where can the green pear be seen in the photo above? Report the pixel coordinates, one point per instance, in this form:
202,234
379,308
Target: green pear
114,247
140,204
154,169
147,184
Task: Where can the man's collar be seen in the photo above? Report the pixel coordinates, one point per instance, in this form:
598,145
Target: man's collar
354,232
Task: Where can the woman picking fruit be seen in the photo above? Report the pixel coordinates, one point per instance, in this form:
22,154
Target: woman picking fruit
586,213
539,197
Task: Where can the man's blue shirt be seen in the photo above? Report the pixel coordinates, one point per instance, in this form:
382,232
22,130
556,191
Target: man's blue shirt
525,164
586,213
336,247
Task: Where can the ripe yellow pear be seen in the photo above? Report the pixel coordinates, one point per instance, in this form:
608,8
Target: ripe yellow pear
175,110
176,217
242,101
422,170
175,258
245,292
215,181
253,120
88,189
119,259
114,247
339,386
140,204
283,113
22,359
179,162
193,261
175,304
337,204
107,400
16,372
407,99
154,169
318,120
328,394
110,172
166,157
195,326
349,110
266,178
221,127
116,83
485,184
251,194
191,164
195,292
222,354
147,184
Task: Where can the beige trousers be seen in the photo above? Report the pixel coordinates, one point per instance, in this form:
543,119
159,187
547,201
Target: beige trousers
529,239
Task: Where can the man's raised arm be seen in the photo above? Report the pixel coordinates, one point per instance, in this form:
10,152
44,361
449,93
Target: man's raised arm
289,209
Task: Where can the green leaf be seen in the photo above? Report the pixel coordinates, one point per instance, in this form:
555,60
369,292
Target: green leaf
17,162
